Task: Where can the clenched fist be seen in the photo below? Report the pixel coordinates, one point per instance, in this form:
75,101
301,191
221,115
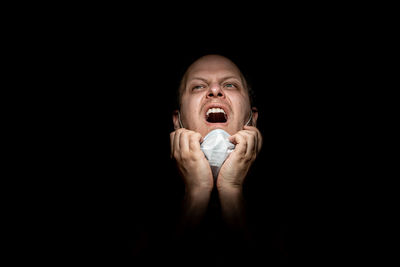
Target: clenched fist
191,161
234,170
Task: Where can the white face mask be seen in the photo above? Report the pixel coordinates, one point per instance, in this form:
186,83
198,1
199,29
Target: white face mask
216,147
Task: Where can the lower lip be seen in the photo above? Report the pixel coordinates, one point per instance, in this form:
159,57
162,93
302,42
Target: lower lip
217,123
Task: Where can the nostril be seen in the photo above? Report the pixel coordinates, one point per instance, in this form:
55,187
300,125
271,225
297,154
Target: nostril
218,95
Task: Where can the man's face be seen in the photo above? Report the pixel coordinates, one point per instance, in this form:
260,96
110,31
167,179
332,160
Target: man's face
214,96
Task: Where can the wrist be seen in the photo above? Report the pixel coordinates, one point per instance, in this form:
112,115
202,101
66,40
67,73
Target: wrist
232,205
230,189
197,194
195,205
230,196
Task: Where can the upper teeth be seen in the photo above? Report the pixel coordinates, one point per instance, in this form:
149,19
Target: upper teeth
215,110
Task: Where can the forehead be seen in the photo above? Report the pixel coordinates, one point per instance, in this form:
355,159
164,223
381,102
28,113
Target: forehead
212,66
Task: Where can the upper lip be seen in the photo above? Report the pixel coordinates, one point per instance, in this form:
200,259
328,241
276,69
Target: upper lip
216,105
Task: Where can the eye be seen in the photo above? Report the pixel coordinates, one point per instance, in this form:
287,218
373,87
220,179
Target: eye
230,85
198,87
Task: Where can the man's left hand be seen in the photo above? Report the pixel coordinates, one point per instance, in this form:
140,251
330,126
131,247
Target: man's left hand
234,170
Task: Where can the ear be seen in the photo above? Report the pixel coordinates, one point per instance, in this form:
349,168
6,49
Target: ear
175,119
255,116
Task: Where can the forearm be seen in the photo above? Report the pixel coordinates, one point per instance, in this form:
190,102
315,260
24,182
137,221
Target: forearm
232,207
194,207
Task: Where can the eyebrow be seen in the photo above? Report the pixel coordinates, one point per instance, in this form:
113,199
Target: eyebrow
198,78
229,77
223,79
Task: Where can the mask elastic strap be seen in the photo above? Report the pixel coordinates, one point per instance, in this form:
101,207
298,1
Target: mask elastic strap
251,117
179,118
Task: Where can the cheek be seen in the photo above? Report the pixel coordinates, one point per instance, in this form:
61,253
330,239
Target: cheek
191,106
240,104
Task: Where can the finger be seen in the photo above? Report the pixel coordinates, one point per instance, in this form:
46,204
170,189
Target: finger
171,138
259,141
259,136
250,137
240,142
254,135
194,141
184,143
176,143
250,128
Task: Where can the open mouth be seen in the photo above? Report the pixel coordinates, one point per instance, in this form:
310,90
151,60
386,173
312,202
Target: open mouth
216,115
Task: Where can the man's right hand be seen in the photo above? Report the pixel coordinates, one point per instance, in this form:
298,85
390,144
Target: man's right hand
191,161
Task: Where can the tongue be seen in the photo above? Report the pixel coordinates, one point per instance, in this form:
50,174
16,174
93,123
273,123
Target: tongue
216,117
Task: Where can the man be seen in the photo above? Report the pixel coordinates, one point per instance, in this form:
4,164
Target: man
212,229
214,84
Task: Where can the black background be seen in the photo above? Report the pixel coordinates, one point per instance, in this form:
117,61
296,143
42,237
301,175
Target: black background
112,97
124,188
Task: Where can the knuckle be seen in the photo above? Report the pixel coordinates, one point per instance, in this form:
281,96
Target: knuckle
183,156
253,133
176,154
194,136
183,134
189,133
245,138
239,135
180,130
188,158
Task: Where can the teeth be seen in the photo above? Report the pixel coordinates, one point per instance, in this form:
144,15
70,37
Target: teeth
215,110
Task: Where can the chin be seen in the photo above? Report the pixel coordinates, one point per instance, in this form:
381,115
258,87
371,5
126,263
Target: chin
212,126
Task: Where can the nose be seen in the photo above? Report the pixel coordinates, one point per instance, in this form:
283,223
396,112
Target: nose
215,91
